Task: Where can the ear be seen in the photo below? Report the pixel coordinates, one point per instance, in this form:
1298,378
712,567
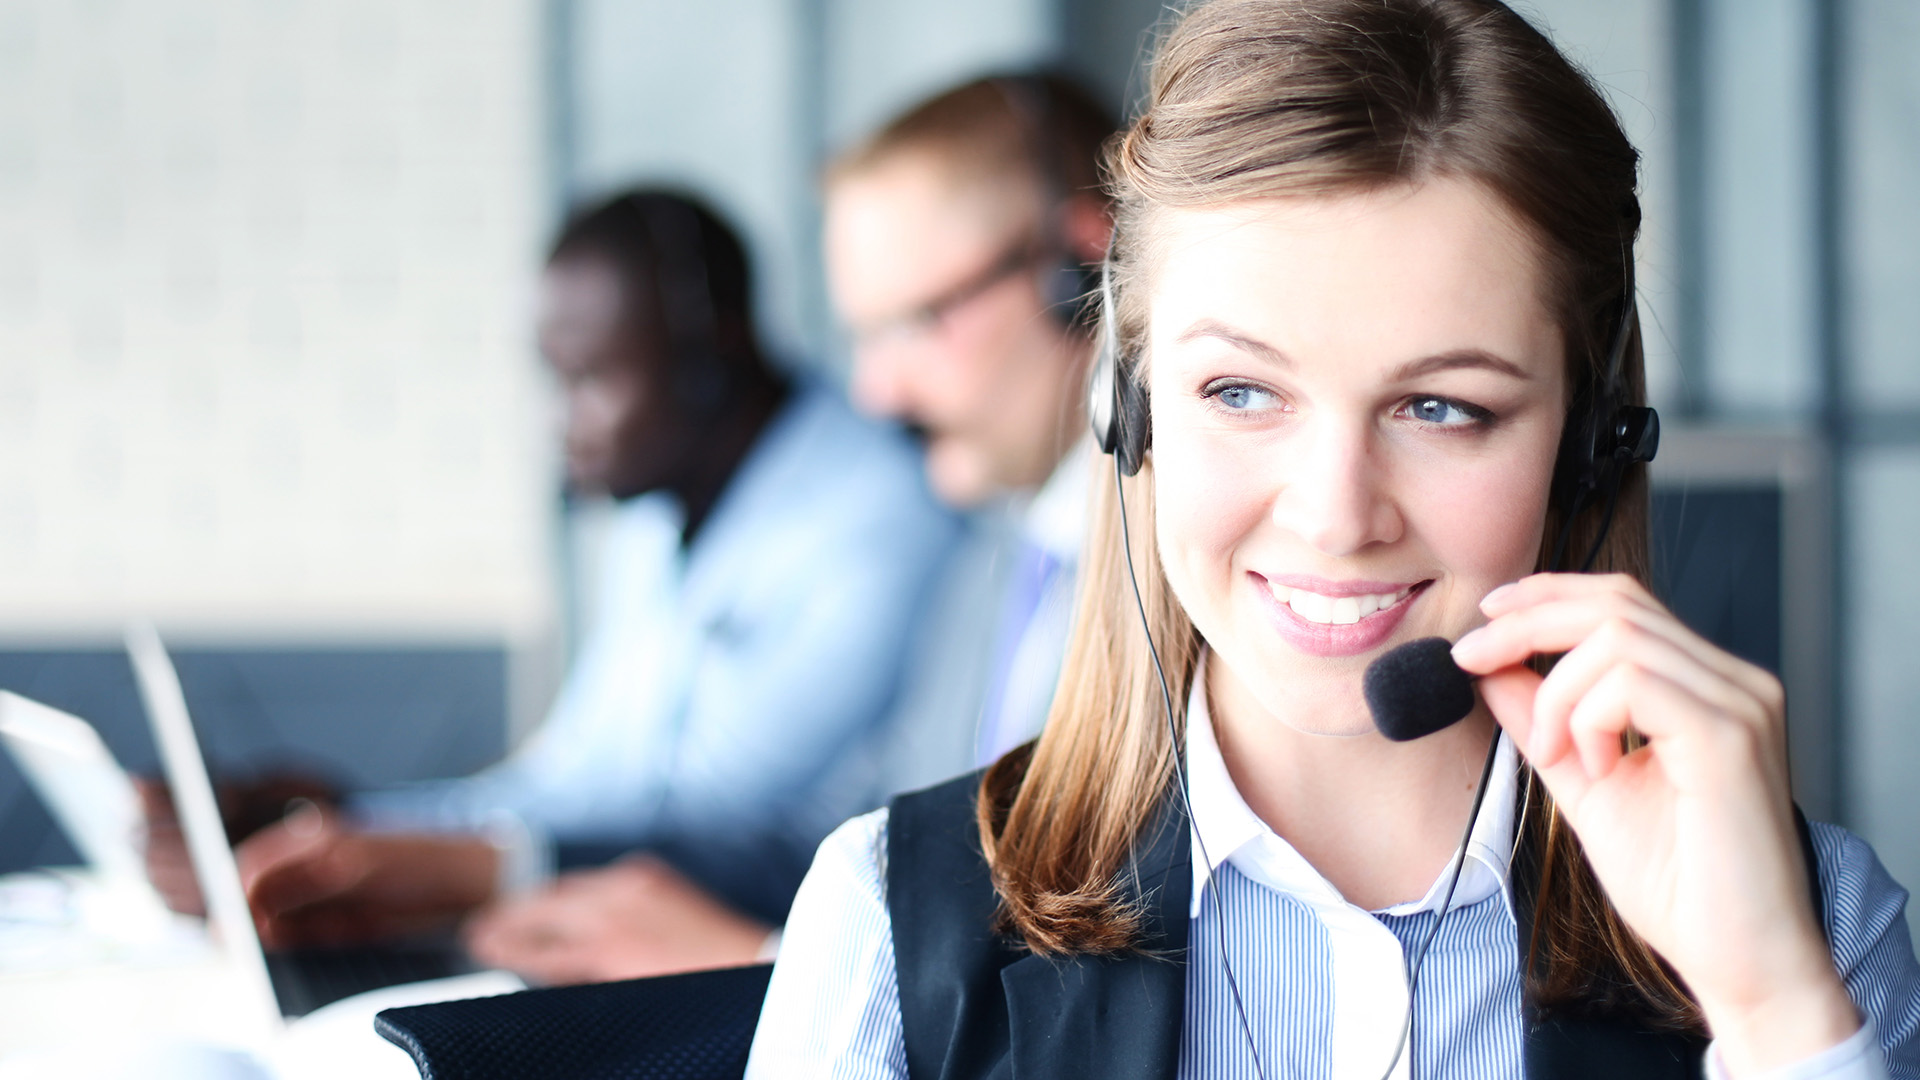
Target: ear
1085,224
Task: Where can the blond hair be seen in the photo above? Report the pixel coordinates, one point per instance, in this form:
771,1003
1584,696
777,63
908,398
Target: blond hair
1037,131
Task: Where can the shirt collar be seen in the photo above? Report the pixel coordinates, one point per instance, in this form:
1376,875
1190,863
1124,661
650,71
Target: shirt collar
1226,830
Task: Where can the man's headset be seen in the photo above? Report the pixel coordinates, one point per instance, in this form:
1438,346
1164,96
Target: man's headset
700,378
1068,285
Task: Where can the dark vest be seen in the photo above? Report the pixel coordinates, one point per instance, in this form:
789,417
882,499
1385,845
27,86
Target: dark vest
973,1006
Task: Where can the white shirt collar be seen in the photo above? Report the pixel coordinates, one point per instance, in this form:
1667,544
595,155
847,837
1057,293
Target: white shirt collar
1228,830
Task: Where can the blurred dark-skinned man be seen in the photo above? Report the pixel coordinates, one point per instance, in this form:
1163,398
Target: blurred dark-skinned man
766,553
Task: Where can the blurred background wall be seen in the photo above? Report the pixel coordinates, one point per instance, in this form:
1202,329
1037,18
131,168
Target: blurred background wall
266,376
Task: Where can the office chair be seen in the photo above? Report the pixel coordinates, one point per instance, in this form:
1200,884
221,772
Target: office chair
678,1027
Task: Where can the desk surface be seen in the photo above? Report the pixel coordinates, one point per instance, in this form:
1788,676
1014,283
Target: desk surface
83,1005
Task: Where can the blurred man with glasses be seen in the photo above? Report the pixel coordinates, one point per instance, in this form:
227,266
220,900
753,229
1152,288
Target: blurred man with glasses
961,244
961,241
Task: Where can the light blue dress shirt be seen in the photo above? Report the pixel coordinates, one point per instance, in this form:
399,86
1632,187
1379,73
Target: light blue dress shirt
986,656
719,686
1324,982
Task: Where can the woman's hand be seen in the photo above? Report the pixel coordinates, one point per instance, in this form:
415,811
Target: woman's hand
1692,834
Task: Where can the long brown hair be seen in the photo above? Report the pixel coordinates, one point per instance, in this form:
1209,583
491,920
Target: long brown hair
1257,98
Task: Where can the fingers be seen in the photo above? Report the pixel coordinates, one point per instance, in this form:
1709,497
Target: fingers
1601,718
1557,613
1574,749
1556,620
1510,695
536,937
304,860
170,870
156,801
1606,624
1540,588
1621,650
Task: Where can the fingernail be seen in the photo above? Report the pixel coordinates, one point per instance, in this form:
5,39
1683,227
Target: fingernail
1495,596
1467,643
304,818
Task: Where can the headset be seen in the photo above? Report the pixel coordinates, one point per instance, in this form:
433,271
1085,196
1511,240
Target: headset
1601,440
1068,286
1604,436
1607,436
675,237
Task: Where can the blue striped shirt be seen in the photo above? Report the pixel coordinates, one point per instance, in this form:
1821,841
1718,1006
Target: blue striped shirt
1323,982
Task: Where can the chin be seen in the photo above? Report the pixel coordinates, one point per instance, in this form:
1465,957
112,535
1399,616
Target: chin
957,475
1309,695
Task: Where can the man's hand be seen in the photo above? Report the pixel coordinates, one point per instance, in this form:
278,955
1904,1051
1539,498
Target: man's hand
245,808
165,848
312,880
637,917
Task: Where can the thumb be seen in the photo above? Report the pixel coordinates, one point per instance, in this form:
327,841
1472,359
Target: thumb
1509,695
156,801
294,862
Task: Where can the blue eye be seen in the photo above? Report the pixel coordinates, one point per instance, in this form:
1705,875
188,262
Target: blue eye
1444,412
1241,398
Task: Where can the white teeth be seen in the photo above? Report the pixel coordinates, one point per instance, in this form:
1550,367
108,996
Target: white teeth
1336,610
1311,606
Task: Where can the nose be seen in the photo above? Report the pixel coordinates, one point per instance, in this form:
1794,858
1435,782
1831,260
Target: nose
1336,495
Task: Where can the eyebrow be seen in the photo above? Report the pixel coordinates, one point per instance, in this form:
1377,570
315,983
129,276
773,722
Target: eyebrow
1213,328
1460,358
1451,360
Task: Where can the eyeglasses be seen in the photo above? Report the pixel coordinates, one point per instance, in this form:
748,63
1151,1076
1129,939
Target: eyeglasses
923,318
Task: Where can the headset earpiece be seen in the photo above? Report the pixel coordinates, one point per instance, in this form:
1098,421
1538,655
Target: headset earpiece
1611,434
700,379
1116,402
1605,437
1634,436
1072,293
1067,285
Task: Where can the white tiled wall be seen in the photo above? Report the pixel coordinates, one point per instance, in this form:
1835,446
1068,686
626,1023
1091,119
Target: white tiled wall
264,356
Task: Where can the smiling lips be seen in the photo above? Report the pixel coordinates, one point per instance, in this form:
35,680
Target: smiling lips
1336,610
1335,618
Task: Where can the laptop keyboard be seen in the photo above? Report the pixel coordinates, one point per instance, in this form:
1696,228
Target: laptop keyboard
306,979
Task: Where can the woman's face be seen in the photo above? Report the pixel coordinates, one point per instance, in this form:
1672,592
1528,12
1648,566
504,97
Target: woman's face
1357,400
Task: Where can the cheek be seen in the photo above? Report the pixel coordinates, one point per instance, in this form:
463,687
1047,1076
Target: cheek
592,413
1207,499
1487,526
995,344
952,378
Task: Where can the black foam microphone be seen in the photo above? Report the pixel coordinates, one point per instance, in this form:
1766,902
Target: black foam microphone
1416,689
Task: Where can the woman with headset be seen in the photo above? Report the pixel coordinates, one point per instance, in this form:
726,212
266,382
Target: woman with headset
1374,371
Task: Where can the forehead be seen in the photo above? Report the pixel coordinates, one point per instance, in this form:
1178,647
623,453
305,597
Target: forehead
907,227
1390,275
583,292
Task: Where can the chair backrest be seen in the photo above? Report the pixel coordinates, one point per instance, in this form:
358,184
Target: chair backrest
679,1027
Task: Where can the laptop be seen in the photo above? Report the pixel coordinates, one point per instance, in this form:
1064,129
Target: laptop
91,796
